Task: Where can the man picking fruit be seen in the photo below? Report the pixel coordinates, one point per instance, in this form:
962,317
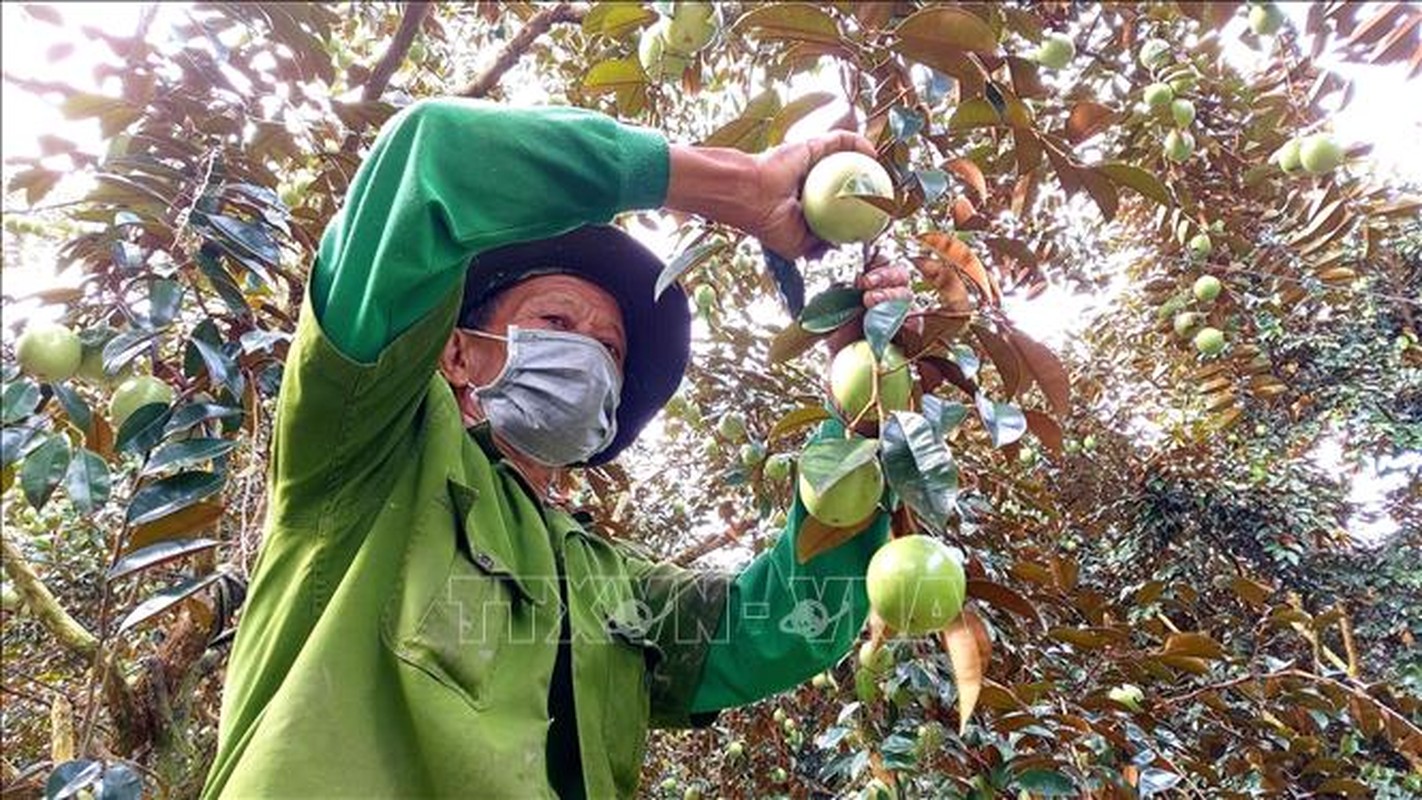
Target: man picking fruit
423,618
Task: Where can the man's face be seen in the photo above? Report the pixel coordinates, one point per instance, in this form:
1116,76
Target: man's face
546,302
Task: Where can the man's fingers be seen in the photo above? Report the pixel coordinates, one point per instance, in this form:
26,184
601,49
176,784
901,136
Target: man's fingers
884,278
876,296
837,141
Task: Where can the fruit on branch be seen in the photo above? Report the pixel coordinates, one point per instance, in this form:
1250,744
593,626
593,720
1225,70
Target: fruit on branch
1200,247
1209,341
135,393
49,351
732,426
1287,157
916,584
1185,322
1265,19
832,211
852,381
1319,153
1183,111
705,295
1056,51
1207,288
1154,53
1179,146
849,501
777,467
1158,95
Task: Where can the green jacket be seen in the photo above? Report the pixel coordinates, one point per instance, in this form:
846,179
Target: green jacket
401,635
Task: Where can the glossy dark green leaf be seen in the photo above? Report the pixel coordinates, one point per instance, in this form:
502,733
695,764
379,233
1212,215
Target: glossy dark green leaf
120,782
1154,780
788,281
824,462
262,341
904,123
192,414
883,321
124,347
966,359
69,778
165,600
252,239
165,298
160,553
87,481
221,369
74,406
43,469
934,183
221,281
186,453
687,259
173,493
143,429
943,415
15,442
1005,422
1047,783
919,467
832,308
19,400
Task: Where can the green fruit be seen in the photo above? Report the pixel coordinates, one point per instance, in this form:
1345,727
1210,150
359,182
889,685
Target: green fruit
1128,695
1184,113
49,352
1089,443
752,454
735,750
820,681
850,500
1319,153
1057,51
1265,19
732,426
1028,456
916,584
779,716
788,724
1287,157
91,368
135,393
1159,95
691,793
852,381
1207,288
1185,322
1154,53
668,784
1184,83
779,775
705,297
777,467
866,685
1209,341
1179,145
842,219
660,61
692,27
1200,247
874,659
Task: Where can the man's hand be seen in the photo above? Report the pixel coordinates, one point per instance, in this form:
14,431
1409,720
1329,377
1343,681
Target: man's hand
881,283
757,194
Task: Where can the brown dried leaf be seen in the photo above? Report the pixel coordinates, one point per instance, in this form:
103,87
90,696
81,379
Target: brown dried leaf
1087,119
815,537
970,174
970,650
1004,356
1001,596
1044,367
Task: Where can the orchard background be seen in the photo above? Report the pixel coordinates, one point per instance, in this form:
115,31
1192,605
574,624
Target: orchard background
1193,575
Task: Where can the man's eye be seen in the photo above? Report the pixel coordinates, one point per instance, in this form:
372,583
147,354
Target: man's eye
556,320
612,349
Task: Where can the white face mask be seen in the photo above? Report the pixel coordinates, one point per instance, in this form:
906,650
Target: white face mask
556,398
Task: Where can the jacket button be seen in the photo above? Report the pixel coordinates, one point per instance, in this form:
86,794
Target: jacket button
483,560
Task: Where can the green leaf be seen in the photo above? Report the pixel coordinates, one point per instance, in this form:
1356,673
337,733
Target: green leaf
160,553
221,369
87,481
192,414
222,281
252,241
68,778
883,321
974,113
788,282
120,782
690,257
801,22
832,308
919,467
74,406
944,415
934,183
43,469
165,299
823,463
1046,782
186,453
174,493
614,74
1154,780
1133,177
19,400
616,20
945,28
165,600
124,347
143,429
793,112
904,123
796,419
1005,421
15,442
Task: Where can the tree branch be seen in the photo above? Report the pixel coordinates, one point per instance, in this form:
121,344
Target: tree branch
379,78
536,26
39,599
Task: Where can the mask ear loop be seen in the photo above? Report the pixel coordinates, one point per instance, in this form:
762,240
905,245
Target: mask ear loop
509,346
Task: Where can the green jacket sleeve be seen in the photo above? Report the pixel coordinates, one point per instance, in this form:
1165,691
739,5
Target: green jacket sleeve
784,621
450,178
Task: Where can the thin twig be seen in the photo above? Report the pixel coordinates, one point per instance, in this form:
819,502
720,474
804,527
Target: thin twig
536,26
379,78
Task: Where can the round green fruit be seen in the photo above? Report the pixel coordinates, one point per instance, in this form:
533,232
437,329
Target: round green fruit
852,381
1209,341
691,793
866,685
1287,157
820,681
779,775
916,584
705,295
668,784
1200,247
752,454
1179,145
1128,695
49,352
1028,456
732,426
842,219
1265,19
777,467
1207,288
779,716
1057,51
692,27
1159,95
1154,53
1089,443
735,751
850,500
1185,322
1319,153
1184,83
135,393
1183,111
873,658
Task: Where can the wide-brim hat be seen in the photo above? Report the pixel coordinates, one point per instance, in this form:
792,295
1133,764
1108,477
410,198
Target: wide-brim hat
658,329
